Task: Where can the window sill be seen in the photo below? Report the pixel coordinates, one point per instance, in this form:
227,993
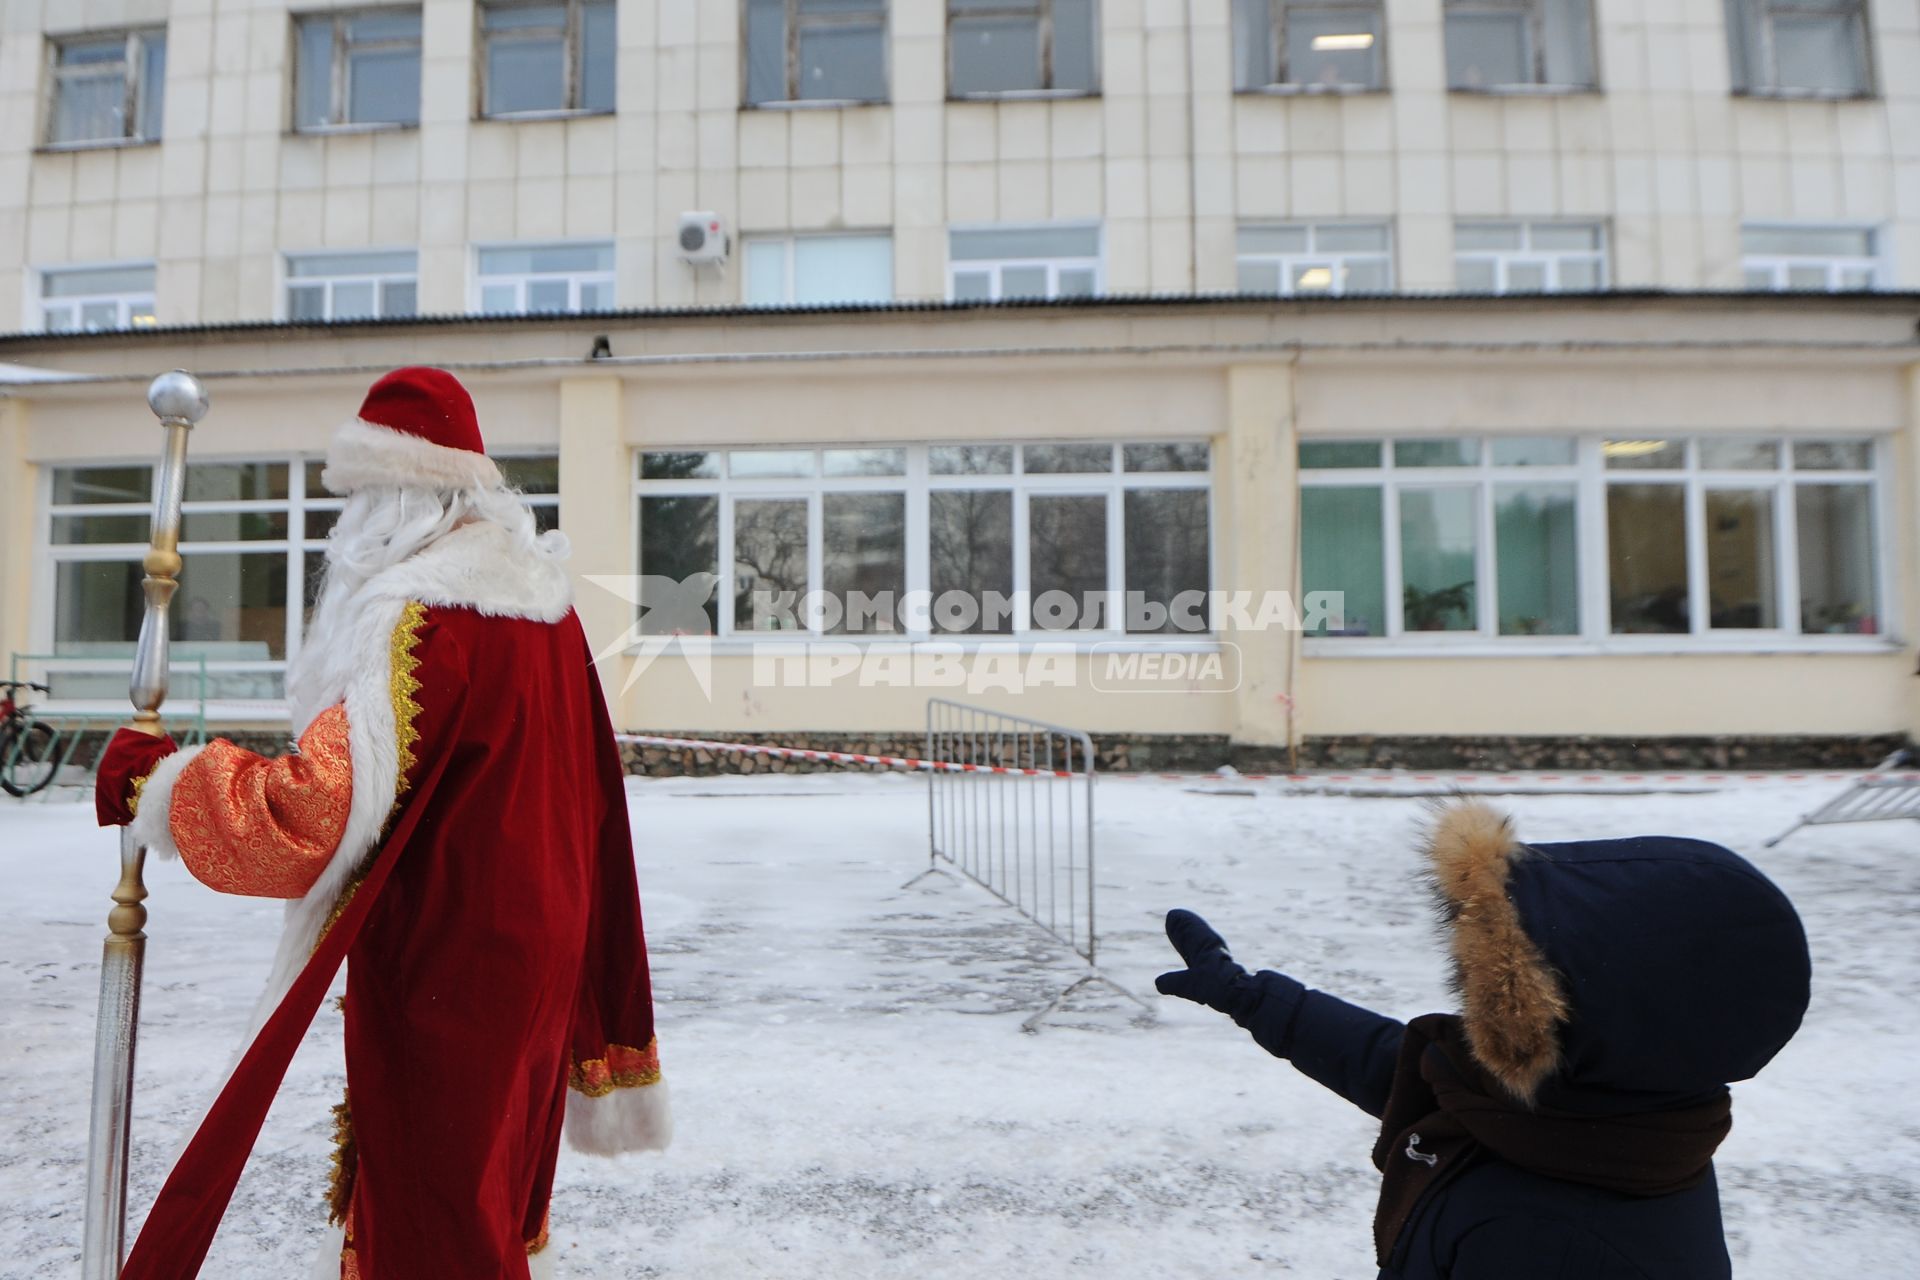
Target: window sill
1313,91
528,117
1612,647
1025,95
333,130
98,144
1527,90
816,104
1807,95
1079,642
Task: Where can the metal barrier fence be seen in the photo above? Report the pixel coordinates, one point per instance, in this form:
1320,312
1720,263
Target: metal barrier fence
1874,798
1010,806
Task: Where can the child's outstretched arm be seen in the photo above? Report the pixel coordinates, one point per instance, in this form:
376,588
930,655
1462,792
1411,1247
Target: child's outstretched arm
1348,1049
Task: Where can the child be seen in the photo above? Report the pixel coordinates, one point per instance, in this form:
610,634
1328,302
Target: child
1563,1124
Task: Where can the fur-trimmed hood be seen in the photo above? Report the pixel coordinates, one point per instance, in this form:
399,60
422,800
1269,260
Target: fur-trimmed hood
1614,975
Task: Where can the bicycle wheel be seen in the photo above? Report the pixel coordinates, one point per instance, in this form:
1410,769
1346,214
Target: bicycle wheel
28,760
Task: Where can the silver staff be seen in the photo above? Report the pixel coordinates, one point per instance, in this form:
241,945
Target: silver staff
180,401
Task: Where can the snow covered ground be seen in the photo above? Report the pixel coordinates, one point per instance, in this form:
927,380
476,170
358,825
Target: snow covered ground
854,1096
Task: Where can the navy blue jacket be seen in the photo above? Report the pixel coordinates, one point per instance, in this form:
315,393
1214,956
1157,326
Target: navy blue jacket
1686,969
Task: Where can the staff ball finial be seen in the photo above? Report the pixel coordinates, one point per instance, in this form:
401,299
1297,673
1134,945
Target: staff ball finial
177,395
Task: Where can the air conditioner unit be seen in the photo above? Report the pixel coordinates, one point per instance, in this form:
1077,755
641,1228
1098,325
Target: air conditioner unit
703,238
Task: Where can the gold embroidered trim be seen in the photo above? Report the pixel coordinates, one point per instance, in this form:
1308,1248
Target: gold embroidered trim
346,1160
406,637
133,800
621,1068
539,1242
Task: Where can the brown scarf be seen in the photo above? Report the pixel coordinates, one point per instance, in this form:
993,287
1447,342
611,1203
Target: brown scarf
1444,1114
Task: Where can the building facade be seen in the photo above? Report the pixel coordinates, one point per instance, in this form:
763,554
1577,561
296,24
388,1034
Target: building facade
1570,344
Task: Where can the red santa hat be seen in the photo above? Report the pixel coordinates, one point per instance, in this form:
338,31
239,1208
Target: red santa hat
417,429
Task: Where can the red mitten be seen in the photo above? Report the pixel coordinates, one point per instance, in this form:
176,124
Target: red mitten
130,757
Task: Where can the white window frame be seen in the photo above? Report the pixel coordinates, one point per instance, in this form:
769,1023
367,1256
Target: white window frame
917,484
1333,260
1504,260
339,97
1757,17
137,130
1591,478
304,495
1778,265
789,258
997,267
289,282
798,20
1277,52
1045,19
573,34
520,280
129,305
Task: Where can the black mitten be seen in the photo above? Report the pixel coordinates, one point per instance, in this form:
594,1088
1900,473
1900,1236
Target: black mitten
1211,976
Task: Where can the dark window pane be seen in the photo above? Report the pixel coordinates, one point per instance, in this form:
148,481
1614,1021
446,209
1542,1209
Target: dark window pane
1439,534
232,605
599,47
90,108
1167,564
1742,573
531,475
970,459
1330,454
501,17
236,481
766,38
384,87
679,537
970,545
313,73
402,24
307,302
1837,549
233,526
1537,559
1333,47
1252,44
526,75
1191,456
1832,455
863,558
843,62
1436,453
97,608
74,485
1644,455
1341,550
1647,558
1057,459
399,298
769,563
76,530
679,466
1485,50
1074,40
1067,561
995,55
1819,52
153,86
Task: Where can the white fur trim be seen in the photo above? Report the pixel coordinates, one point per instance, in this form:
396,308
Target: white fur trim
366,455
149,826
326,1263
618,1122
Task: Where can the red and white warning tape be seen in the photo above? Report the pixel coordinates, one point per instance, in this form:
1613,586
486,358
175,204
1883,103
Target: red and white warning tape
841,757
950,766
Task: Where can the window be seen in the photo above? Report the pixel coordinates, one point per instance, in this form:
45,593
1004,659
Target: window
345,286
523,279
357,69
1520,44
1308,44
919,540
816,51
1529,257
1821,259
108,88
991,263
94,298
818,270
1815,48
1315,258
997,47
540,59
253,543
1507,537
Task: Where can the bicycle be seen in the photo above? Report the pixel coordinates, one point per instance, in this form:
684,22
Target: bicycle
28,759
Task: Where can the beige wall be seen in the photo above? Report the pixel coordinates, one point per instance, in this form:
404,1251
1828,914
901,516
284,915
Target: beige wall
1253,379
1168,159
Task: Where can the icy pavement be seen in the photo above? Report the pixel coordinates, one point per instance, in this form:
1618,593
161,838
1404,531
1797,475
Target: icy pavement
854,1097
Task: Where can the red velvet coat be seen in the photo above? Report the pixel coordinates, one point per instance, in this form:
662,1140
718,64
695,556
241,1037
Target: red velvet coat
493,931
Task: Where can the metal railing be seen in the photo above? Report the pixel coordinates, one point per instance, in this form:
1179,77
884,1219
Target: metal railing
1010,807
1874,798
